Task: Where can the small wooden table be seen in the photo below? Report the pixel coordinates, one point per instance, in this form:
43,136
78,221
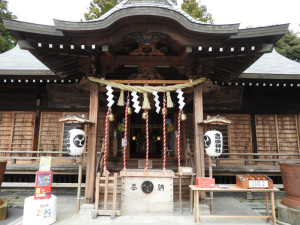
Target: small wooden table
233,188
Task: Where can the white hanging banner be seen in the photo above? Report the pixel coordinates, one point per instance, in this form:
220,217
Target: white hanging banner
135,100
156,99
110,96
180,98
213,141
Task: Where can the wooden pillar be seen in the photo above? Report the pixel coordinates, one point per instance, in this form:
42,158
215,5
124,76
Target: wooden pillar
92,151
198,134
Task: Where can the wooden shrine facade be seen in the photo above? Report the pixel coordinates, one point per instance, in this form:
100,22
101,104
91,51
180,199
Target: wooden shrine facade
145,42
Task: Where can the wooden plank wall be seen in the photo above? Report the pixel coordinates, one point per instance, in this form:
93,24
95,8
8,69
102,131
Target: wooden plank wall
50,132
277,134
288,135
240,135
6,127
17,131
266,135
23,132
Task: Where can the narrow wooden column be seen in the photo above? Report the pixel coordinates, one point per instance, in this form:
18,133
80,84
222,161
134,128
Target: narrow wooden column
92,152
198,134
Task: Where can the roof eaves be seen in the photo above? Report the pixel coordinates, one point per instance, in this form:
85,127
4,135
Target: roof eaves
27,73
261,31
270,76
31,27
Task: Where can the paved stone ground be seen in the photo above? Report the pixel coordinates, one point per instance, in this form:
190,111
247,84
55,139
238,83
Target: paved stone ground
229,203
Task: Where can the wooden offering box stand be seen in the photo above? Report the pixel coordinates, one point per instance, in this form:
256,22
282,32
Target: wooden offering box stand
147,193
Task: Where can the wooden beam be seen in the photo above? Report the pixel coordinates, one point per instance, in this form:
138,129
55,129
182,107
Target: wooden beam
151,60
185,52
107,52
198,134
158,82
92,151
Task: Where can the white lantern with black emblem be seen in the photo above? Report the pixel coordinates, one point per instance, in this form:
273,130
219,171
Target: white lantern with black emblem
213,141
76,139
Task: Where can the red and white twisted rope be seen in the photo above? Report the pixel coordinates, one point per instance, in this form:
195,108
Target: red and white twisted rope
147,139
125,134
178,140
105,137
164,131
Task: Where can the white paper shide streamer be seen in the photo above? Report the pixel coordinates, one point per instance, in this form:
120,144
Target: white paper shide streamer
180,98
156,99
135,100
110,96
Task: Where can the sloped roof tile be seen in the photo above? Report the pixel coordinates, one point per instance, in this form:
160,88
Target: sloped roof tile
21,62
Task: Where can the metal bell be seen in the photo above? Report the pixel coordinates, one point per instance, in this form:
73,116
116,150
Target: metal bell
162,111
183,117
111,117
129,110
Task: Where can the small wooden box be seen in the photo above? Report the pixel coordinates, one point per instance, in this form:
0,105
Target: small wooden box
205,182
254,182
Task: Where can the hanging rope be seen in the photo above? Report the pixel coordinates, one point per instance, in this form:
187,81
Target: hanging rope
178,141
164,131
105,139
148,89
147,139
125,133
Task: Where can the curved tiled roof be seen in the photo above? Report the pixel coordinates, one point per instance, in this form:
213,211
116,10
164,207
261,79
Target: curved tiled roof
163,8
21,62
167,4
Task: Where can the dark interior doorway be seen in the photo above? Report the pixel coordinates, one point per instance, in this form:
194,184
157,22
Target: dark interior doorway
138,136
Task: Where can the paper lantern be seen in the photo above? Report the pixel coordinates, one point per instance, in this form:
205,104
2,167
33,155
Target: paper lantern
213,141
76,141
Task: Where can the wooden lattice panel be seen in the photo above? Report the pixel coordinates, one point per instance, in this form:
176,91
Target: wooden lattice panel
23,132
51,130
266,135
16,131
239,135
288,135
6,126
277,134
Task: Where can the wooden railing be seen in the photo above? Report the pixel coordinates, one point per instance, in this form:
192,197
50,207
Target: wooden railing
14,155
247,158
